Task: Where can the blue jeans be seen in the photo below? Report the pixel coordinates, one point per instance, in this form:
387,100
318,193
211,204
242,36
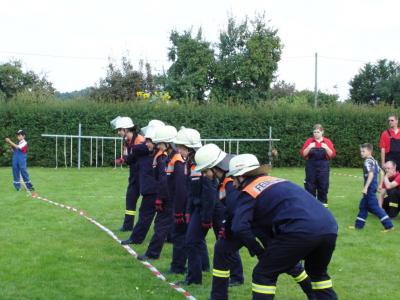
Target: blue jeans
369,203
19,169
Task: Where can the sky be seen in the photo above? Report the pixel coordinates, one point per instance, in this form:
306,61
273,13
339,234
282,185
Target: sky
70,41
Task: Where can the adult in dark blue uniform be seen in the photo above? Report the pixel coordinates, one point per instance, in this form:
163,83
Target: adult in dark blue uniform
144,154
227,265
202,197
318,151
161,138
299,226
127,130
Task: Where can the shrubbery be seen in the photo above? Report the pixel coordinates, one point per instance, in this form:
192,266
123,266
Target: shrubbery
347,125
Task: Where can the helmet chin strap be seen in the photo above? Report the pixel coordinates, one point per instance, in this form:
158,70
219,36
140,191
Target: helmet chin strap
241,180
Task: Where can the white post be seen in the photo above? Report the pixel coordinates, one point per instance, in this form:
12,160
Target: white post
79,145
96,150
71,151
102,152
91,152
115,153
56,153
65,151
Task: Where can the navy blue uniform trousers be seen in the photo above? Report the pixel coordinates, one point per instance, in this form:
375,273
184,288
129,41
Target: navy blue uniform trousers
317,179
286,251
196,246
162,226
147,212
131,198
226,264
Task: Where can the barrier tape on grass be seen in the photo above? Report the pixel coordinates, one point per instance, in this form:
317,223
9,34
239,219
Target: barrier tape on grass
348,175
132,252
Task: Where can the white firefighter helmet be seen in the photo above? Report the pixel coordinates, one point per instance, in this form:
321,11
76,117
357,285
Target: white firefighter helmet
164,134
188,137
123,122
113,123
242,164
152,123
208,156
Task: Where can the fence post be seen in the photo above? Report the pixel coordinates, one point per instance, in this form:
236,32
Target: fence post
270,146
79,145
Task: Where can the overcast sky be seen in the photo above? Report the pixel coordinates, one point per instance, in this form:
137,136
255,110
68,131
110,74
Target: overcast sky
71,40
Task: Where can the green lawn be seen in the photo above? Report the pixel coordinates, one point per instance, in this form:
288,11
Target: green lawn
50,253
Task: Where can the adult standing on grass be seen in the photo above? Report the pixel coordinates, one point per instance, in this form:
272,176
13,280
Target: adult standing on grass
318,151
390,142
391,187
19,167
300,228
127,130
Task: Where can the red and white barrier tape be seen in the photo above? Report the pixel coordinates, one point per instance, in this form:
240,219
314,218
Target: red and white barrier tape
132,252
348,175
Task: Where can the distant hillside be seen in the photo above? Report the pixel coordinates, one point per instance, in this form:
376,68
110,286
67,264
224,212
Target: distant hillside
74,94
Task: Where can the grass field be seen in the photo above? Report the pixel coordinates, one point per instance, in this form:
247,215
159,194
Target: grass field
50,253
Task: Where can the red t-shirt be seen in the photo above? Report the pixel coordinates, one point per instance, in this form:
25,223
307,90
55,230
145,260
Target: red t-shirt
384,141
396,178
325,140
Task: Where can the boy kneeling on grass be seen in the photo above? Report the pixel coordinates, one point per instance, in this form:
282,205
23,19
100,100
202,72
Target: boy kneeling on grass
369,201
19,161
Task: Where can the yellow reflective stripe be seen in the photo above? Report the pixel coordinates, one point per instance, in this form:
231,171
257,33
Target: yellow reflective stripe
263,289
320,285
393,204
326,204
221,273
130,212
301,277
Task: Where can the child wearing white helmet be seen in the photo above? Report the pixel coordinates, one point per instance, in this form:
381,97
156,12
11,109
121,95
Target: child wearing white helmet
159,138
202,197
144,154
297,226
127,130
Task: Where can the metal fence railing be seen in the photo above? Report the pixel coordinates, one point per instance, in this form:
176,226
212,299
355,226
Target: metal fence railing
96,145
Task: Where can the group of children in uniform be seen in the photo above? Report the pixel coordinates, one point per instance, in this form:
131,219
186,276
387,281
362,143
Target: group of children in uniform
190,188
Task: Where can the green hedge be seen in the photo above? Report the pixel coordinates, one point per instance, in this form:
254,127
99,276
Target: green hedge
346,125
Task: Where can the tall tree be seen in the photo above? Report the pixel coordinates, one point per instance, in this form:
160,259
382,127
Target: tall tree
13,80
248,56
190,75
377,83
122,84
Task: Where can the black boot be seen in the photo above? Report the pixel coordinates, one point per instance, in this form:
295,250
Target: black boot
128,223
307,288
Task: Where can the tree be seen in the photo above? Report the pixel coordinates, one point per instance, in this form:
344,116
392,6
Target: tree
282,89
191,73
13,81
377,83
123,84
248,56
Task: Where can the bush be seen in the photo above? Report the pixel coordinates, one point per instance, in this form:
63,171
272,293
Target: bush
346,125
